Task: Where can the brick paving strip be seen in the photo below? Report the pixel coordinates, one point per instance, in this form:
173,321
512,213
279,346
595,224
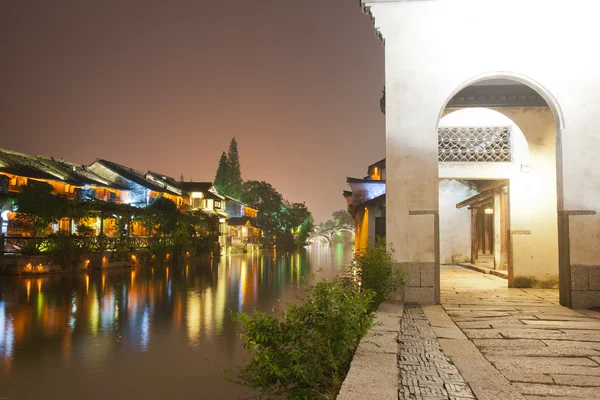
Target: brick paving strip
425,372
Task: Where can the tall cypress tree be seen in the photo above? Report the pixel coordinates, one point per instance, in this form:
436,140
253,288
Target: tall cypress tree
234,178
221,178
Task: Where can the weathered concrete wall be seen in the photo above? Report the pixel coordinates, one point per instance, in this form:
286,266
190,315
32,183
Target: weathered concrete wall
424,69
455,224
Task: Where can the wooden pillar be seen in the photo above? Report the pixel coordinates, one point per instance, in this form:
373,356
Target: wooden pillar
497,229
473,235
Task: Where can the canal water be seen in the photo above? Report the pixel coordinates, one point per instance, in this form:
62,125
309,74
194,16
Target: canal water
147,333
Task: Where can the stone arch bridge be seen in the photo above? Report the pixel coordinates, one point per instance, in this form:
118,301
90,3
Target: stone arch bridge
328,234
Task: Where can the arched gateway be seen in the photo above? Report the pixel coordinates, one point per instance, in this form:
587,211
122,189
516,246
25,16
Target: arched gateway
532,62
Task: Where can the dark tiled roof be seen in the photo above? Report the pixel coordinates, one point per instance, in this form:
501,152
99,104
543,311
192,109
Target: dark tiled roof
132,175
379,200
380,163
194,186
49,168
357,180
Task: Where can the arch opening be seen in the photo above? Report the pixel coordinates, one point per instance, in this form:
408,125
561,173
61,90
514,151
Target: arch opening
499,170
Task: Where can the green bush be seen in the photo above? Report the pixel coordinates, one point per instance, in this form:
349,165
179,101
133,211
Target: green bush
306,353
375,271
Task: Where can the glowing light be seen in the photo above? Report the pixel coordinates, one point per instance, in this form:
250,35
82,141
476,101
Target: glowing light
221,220
39,285
103,281
489,210
87,284
132,277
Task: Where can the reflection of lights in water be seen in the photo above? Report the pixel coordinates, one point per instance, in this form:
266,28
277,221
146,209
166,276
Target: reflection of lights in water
132,277
103,281
72,321
7,333
167,274
2,325
208,307
243,284
40,304
73,304
28,287
87,284
107,312
193,318
94,314
145,328
39,285
187,267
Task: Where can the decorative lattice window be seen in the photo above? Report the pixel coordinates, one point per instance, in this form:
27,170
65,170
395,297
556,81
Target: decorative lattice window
474,144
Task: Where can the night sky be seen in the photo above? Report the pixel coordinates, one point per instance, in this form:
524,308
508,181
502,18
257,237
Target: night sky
165,85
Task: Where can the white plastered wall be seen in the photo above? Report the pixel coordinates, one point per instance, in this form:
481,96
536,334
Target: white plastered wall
435,48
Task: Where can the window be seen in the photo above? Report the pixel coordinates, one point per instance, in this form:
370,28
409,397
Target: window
474,144
196,203
217,204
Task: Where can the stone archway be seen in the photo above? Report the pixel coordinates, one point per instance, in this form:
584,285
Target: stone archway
425,68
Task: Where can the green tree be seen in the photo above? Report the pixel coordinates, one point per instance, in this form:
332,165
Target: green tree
221,182
38,205
234,178
268,201
342,217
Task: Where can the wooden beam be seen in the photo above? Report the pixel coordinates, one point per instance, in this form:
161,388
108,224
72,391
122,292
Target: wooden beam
475,199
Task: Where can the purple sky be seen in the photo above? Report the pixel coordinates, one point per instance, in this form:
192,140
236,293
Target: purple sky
164,85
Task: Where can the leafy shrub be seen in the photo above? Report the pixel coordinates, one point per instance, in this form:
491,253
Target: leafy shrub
375,271
306,353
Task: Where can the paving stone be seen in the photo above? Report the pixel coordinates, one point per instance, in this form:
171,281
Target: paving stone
577,380
508,343
557,390
590,324
540,351
534,362
482,333
521,376
425,371
379,342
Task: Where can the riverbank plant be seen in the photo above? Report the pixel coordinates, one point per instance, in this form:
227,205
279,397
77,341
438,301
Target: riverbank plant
304,352
375,270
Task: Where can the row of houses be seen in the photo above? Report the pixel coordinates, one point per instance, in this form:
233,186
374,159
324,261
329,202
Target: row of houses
115,183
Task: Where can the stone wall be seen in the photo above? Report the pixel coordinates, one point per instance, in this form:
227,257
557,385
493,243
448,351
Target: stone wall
585,286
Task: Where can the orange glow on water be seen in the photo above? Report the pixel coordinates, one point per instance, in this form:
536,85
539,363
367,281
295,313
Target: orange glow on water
28,287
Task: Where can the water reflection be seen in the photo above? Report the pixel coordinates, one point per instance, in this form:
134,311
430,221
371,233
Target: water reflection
118,330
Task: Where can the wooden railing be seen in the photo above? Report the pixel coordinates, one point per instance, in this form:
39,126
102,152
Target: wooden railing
30,245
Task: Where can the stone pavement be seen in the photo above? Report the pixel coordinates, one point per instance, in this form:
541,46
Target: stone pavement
537,347
505,343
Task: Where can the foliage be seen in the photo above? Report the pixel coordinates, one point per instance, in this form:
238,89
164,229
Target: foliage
63,251
342,217
376,270
38,205
306,352
161,216
288,224
235,174
228,179
220,182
